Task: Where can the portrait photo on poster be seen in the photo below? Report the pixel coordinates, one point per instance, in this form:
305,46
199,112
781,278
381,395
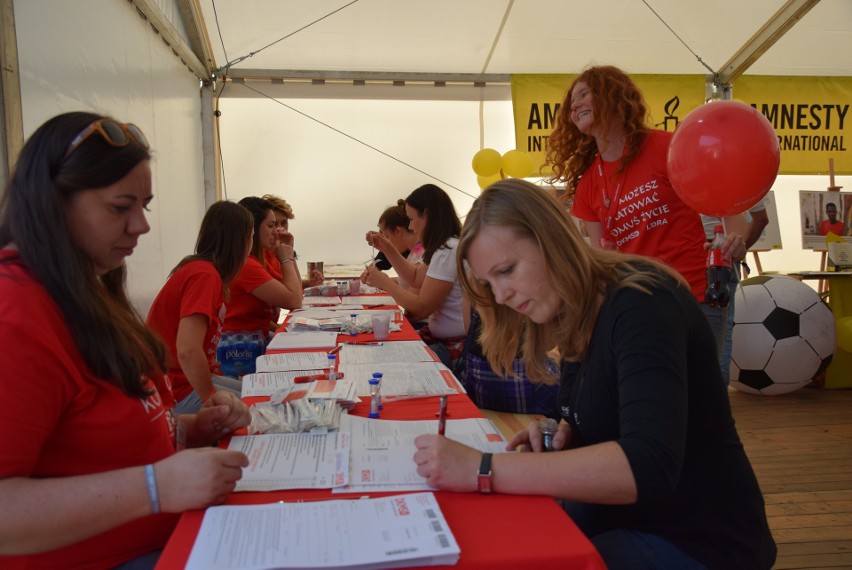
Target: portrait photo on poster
822,213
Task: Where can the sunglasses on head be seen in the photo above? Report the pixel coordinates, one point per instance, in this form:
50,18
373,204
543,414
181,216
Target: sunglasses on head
114,133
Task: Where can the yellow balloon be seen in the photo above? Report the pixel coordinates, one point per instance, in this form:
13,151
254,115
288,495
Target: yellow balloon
843,328
517,163
486,181
486,162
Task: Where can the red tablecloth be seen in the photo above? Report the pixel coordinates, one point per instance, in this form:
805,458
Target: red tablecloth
494,531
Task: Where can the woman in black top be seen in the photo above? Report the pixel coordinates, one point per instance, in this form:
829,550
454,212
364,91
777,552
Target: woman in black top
649,463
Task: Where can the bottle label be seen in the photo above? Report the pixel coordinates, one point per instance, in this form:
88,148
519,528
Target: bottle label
716,259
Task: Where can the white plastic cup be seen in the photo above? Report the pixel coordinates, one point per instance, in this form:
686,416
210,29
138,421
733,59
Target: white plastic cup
354,286
381,325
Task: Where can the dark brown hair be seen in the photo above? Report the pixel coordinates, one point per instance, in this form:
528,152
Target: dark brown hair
442,223
109,333
222,239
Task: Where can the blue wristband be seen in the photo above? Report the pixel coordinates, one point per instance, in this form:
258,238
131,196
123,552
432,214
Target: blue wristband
153,495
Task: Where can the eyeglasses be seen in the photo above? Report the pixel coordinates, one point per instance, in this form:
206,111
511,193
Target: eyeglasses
114,133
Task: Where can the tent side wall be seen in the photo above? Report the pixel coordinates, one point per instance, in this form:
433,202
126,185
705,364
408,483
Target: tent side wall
102,56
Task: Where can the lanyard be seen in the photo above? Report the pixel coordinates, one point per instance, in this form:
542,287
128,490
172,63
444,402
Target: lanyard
609,205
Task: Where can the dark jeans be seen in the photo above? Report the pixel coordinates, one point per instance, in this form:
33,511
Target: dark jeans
629,549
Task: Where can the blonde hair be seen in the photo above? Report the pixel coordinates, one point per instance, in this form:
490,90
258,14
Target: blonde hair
579,274
280,205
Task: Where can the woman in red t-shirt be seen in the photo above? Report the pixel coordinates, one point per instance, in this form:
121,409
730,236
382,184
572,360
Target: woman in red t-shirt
89,476
256,295
189,309
615,172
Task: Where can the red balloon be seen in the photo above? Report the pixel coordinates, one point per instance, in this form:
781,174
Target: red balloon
723,158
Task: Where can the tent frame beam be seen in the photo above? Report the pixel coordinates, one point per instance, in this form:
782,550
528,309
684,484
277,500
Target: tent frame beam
161,25
362,77
772,31
11,114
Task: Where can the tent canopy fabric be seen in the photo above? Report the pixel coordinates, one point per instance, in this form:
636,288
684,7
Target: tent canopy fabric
521,36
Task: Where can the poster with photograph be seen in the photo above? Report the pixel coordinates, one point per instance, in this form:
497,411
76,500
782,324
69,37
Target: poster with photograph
771,237
822,212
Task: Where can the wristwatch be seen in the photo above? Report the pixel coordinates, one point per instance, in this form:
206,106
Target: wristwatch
483,476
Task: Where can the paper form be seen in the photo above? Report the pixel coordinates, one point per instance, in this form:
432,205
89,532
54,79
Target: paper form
293,461
268,383
310,339
387,532
320,300
369,300
412,380
291,361
389,353
382,450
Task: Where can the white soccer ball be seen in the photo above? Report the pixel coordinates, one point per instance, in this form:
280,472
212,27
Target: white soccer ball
783,335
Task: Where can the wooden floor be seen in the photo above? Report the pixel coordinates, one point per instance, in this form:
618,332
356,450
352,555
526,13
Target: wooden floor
800,445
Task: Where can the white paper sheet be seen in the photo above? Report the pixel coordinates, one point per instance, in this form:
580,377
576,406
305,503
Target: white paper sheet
267,383
382,450
412,380
389,353
320,300
302,340
293,460
387,532
291,361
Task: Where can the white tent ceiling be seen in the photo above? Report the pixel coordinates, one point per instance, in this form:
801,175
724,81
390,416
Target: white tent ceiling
520,36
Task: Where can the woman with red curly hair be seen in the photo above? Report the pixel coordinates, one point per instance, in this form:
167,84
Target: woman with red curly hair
614,168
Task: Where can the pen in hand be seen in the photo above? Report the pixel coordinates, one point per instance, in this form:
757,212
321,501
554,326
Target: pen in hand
442,416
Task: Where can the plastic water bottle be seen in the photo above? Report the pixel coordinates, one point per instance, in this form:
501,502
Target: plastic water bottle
332,368
719,270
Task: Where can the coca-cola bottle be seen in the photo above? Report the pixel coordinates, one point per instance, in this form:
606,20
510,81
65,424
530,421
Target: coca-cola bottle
719,270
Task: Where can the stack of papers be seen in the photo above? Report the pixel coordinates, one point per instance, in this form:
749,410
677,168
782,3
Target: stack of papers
389,532
291,361
296,324
293,460
320,300
297,340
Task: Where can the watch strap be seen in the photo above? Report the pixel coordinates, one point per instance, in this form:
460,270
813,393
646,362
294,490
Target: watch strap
483,476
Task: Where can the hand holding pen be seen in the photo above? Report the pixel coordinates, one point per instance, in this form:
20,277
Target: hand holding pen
442,415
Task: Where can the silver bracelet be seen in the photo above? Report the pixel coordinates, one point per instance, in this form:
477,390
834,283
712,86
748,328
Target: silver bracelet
285,260
153,495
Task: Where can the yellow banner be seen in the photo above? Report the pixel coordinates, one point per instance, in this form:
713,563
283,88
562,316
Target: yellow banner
809,114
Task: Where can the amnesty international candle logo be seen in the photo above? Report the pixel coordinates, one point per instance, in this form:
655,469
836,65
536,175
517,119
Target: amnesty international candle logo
809,114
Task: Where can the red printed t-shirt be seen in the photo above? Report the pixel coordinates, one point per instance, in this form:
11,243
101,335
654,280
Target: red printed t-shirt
194,289
836,228
60,420
273,265
245,312
647,218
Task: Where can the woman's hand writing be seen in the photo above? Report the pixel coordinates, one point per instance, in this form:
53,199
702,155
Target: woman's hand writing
446,464
197,478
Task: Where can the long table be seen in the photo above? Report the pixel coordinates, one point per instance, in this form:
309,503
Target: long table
493,531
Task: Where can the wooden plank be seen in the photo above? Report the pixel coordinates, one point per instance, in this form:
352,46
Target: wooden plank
800,446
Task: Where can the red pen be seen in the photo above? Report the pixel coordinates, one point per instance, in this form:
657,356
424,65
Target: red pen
336,349
442,416
312,377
